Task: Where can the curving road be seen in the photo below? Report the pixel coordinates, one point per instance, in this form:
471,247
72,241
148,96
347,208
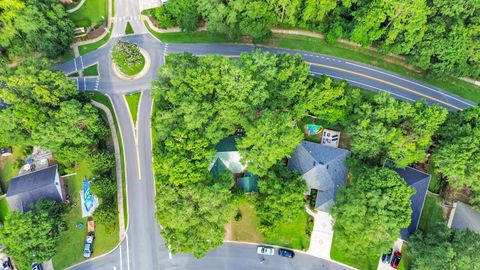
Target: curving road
143,248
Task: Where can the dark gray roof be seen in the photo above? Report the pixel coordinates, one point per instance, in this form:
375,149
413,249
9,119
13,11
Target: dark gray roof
419,181
465,217
227,144
323,168
27,189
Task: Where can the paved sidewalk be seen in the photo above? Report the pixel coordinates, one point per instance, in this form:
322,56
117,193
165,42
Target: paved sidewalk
118,167
322,234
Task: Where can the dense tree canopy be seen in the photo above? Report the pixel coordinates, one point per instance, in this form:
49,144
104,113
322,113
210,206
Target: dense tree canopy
389,128
370,212
46,110
457,156
442,248
439,36
201,100
31,237
41,25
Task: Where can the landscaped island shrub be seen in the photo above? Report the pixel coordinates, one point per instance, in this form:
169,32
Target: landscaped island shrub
128,58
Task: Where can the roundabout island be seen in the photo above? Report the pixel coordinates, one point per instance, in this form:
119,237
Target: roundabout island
129,61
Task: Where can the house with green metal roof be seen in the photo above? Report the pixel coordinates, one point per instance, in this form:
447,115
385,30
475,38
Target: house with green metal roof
228,158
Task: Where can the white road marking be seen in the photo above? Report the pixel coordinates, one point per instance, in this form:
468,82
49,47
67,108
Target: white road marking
121,259
412,82
81,61
84,83
78,83
128,254
169,253
75,62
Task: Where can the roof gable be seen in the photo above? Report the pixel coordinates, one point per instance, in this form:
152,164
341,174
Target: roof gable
419,181
27,189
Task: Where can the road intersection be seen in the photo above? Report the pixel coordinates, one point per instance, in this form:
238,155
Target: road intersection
142,246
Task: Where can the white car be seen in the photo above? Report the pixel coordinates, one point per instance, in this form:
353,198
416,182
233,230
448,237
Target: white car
262,250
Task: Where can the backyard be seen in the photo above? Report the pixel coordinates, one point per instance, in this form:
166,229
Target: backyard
9,166
70,244
92,12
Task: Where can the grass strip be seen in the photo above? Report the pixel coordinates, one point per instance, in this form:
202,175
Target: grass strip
129,29
101,98
132,101
84,49
91,70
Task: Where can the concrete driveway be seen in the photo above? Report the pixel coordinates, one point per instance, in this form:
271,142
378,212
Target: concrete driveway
322,235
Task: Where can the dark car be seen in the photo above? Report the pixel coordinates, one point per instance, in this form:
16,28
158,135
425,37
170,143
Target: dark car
7,264
386,257
37,266
396,259
286,253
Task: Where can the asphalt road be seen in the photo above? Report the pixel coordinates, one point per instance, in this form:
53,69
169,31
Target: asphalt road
143,248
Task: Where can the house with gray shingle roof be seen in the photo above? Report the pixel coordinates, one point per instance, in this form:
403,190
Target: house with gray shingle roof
323,168
463,216
419,181
25,190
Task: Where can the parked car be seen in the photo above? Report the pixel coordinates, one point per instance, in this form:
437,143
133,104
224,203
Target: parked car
263,250
37,266
286,253
396,259
7,264
386,257
88,248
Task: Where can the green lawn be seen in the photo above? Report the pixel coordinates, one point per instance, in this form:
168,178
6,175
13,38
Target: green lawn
4,209
132,101
84,49
432,213
131,70
361,263
101,98
9,166
246,229
129,29
67,56
91,12
291,234
451,84
91,70
406,261
195,37
70,244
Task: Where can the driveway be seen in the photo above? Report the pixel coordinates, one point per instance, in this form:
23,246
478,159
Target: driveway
322,235
397,246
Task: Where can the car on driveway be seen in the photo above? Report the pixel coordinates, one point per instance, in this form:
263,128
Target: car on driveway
396,259
88,247
264,250
386,257
37,266
286,253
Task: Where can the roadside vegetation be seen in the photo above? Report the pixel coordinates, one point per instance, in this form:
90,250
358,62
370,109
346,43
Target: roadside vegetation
411,29
128,58
84,49
128,29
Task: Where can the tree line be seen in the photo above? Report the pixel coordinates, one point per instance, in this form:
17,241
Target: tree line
438,36
28,26
200,100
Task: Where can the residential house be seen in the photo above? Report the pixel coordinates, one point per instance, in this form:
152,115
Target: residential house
419,181
323,168
25,190
229,159
463,216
